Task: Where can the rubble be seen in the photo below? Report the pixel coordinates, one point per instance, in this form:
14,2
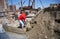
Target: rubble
14,24
9,21
44,27
28,26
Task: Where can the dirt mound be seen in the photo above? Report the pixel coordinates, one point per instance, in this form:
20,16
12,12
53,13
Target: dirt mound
43,28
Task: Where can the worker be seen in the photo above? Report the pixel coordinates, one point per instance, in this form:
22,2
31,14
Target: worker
21,19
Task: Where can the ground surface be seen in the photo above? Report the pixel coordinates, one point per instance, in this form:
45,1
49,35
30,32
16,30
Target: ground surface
9,35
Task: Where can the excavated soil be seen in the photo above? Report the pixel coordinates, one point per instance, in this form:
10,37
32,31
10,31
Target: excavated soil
43,26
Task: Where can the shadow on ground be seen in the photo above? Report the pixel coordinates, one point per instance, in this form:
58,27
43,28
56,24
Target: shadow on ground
4,36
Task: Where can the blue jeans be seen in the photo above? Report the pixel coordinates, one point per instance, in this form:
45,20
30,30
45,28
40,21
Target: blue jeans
21,23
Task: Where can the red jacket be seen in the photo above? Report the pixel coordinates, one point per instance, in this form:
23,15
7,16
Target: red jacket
22,17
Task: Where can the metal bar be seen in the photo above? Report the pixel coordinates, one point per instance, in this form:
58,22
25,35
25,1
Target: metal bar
41,3
11,2
33,4
29,3
23,2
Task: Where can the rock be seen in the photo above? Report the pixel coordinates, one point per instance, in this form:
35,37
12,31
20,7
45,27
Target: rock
14,23
24,29
46,37
28,26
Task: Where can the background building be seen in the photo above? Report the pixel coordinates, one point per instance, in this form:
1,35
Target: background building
3,5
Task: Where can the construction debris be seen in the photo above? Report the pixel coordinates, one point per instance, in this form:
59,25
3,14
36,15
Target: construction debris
44,27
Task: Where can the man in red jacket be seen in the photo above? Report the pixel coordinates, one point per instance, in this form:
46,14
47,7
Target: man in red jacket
22,18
